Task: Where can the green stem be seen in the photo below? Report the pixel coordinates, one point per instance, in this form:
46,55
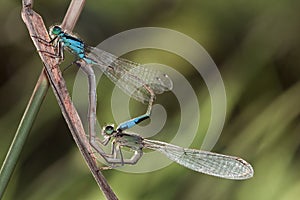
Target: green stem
21,135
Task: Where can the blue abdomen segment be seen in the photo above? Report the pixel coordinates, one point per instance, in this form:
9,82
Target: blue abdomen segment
132,122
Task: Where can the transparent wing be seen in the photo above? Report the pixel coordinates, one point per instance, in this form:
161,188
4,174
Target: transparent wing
223,166
129,76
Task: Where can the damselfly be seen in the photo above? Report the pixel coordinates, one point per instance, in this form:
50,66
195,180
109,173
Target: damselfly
224,166
137,81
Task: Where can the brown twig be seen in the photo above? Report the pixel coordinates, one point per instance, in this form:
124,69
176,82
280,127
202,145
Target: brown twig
36,27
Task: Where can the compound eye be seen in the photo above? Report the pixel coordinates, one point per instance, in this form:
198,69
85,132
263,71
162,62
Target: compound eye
56,30
109,130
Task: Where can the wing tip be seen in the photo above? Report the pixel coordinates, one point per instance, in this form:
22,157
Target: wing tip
249,171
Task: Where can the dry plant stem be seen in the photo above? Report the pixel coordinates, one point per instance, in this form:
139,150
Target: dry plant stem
36,27
72,14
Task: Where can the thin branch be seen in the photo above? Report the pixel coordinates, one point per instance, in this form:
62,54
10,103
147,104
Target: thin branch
22,132
72,14
36,27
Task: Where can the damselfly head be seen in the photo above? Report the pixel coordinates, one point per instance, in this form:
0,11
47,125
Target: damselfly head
108,129
55,31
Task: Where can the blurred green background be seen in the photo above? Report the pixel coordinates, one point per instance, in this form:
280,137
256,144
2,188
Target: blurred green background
255,45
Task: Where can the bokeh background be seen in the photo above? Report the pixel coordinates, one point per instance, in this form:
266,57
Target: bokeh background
255,45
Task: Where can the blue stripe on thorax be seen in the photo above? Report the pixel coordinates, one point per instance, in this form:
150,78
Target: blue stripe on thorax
76,46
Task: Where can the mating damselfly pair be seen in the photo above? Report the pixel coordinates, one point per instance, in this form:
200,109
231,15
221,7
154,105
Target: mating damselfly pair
142,84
